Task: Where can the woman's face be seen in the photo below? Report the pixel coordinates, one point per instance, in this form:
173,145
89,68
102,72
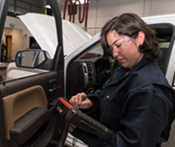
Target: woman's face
125,49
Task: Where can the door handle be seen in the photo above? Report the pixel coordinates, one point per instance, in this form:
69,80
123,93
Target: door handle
53,89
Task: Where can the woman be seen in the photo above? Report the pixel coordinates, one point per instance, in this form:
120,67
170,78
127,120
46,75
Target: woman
136,103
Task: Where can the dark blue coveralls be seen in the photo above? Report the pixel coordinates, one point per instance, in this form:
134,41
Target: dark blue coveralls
137,107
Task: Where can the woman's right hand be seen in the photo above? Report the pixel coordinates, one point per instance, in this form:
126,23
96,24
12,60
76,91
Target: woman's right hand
77,100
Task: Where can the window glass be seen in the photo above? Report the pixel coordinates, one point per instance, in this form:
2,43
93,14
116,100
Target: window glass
27,31
164,34
96,51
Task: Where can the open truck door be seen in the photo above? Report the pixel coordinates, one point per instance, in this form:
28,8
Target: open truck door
27,105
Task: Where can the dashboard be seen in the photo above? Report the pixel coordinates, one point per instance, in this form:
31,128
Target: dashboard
89,73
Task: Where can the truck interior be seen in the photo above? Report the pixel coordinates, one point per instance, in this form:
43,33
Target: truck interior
89,70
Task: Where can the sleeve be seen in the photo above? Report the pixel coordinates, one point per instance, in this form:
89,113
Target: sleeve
144,116
94,111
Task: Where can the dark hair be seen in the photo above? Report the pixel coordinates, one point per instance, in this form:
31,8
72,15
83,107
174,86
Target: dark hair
130,24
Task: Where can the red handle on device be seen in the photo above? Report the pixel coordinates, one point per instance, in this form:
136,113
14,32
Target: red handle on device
65,103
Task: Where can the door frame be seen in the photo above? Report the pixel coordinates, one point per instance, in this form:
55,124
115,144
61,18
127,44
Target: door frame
57,67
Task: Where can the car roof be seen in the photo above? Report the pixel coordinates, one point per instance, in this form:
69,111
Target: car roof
170,18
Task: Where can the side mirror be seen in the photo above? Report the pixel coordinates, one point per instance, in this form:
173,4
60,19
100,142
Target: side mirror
30,58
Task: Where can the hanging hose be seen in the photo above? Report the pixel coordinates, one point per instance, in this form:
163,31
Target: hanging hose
85,11
64,13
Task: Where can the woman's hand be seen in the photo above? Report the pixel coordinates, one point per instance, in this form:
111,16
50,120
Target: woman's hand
77,100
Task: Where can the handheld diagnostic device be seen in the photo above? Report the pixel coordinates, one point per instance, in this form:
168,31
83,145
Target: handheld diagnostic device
82,121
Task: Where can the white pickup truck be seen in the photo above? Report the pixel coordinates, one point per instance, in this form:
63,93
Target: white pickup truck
61,74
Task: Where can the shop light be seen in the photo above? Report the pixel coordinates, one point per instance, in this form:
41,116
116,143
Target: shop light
81,1
48,7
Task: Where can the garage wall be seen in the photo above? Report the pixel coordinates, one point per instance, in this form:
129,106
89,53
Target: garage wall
20,35
16,40
102,10
24,6
99,12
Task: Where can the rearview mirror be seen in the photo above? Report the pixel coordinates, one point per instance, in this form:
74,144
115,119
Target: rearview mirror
30,58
